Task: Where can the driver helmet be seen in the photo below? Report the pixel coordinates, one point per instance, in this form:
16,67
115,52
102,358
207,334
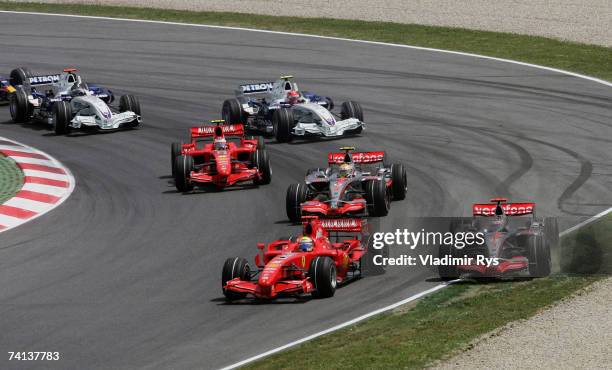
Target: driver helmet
305,244
293,97
220,144
346,170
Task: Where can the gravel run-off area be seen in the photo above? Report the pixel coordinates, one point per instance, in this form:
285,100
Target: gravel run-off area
587,21
574,334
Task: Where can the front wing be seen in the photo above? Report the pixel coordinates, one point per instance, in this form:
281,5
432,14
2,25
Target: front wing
337,129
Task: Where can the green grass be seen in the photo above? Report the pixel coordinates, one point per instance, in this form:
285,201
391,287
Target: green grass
438,326
11,179
587,59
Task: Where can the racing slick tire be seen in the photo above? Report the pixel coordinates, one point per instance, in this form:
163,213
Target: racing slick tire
262,161
283,124
351,109
330,103
539,256
322,273
233,268
399,181
296,195
175,151
231,112
62,112
19,75
183,168
130,103
447,272
377,198
19,106
551,232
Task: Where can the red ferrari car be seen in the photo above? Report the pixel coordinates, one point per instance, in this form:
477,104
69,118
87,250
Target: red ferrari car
311,263
354,184
219,155
512,242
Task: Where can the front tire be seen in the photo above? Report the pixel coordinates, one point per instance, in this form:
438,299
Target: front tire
234,268
19,106
399,181
62,116
351,109
377,198
283,123
263,166
447,272
296,195
322,273
184,166
231,112
175,151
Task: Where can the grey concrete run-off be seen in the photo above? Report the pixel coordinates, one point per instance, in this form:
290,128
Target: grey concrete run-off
582,21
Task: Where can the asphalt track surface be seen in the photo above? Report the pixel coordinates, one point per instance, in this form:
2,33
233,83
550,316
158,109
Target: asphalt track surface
126,273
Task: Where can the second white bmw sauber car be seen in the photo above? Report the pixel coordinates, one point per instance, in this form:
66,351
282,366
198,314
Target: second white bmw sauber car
281,109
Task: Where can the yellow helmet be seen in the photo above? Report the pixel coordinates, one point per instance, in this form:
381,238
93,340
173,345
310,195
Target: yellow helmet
346,170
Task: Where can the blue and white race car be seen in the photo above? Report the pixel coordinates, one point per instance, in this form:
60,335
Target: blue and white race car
66,102
281,109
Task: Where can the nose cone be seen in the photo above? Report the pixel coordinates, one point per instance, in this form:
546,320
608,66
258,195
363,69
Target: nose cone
224,166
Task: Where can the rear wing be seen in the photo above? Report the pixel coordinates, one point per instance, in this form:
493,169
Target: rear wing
356,157
509,209
43,80
255,88
209,130
354,225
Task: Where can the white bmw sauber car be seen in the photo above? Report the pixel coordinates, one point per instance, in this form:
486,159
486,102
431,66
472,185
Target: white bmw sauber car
67,103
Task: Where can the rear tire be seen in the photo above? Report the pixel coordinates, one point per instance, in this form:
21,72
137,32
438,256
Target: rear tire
539,256
234,268
62,112
399,180
283,123
231,112
183,168
19,106
296,195
322,273
377,198
262,162
351,109
19,75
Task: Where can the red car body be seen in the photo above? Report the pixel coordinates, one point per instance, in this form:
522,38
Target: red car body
284,270
240,161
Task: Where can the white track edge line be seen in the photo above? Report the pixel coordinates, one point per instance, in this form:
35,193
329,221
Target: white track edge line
63,197
552,69
585,77
337,327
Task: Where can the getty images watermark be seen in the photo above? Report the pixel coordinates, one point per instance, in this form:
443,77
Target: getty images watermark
414,239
